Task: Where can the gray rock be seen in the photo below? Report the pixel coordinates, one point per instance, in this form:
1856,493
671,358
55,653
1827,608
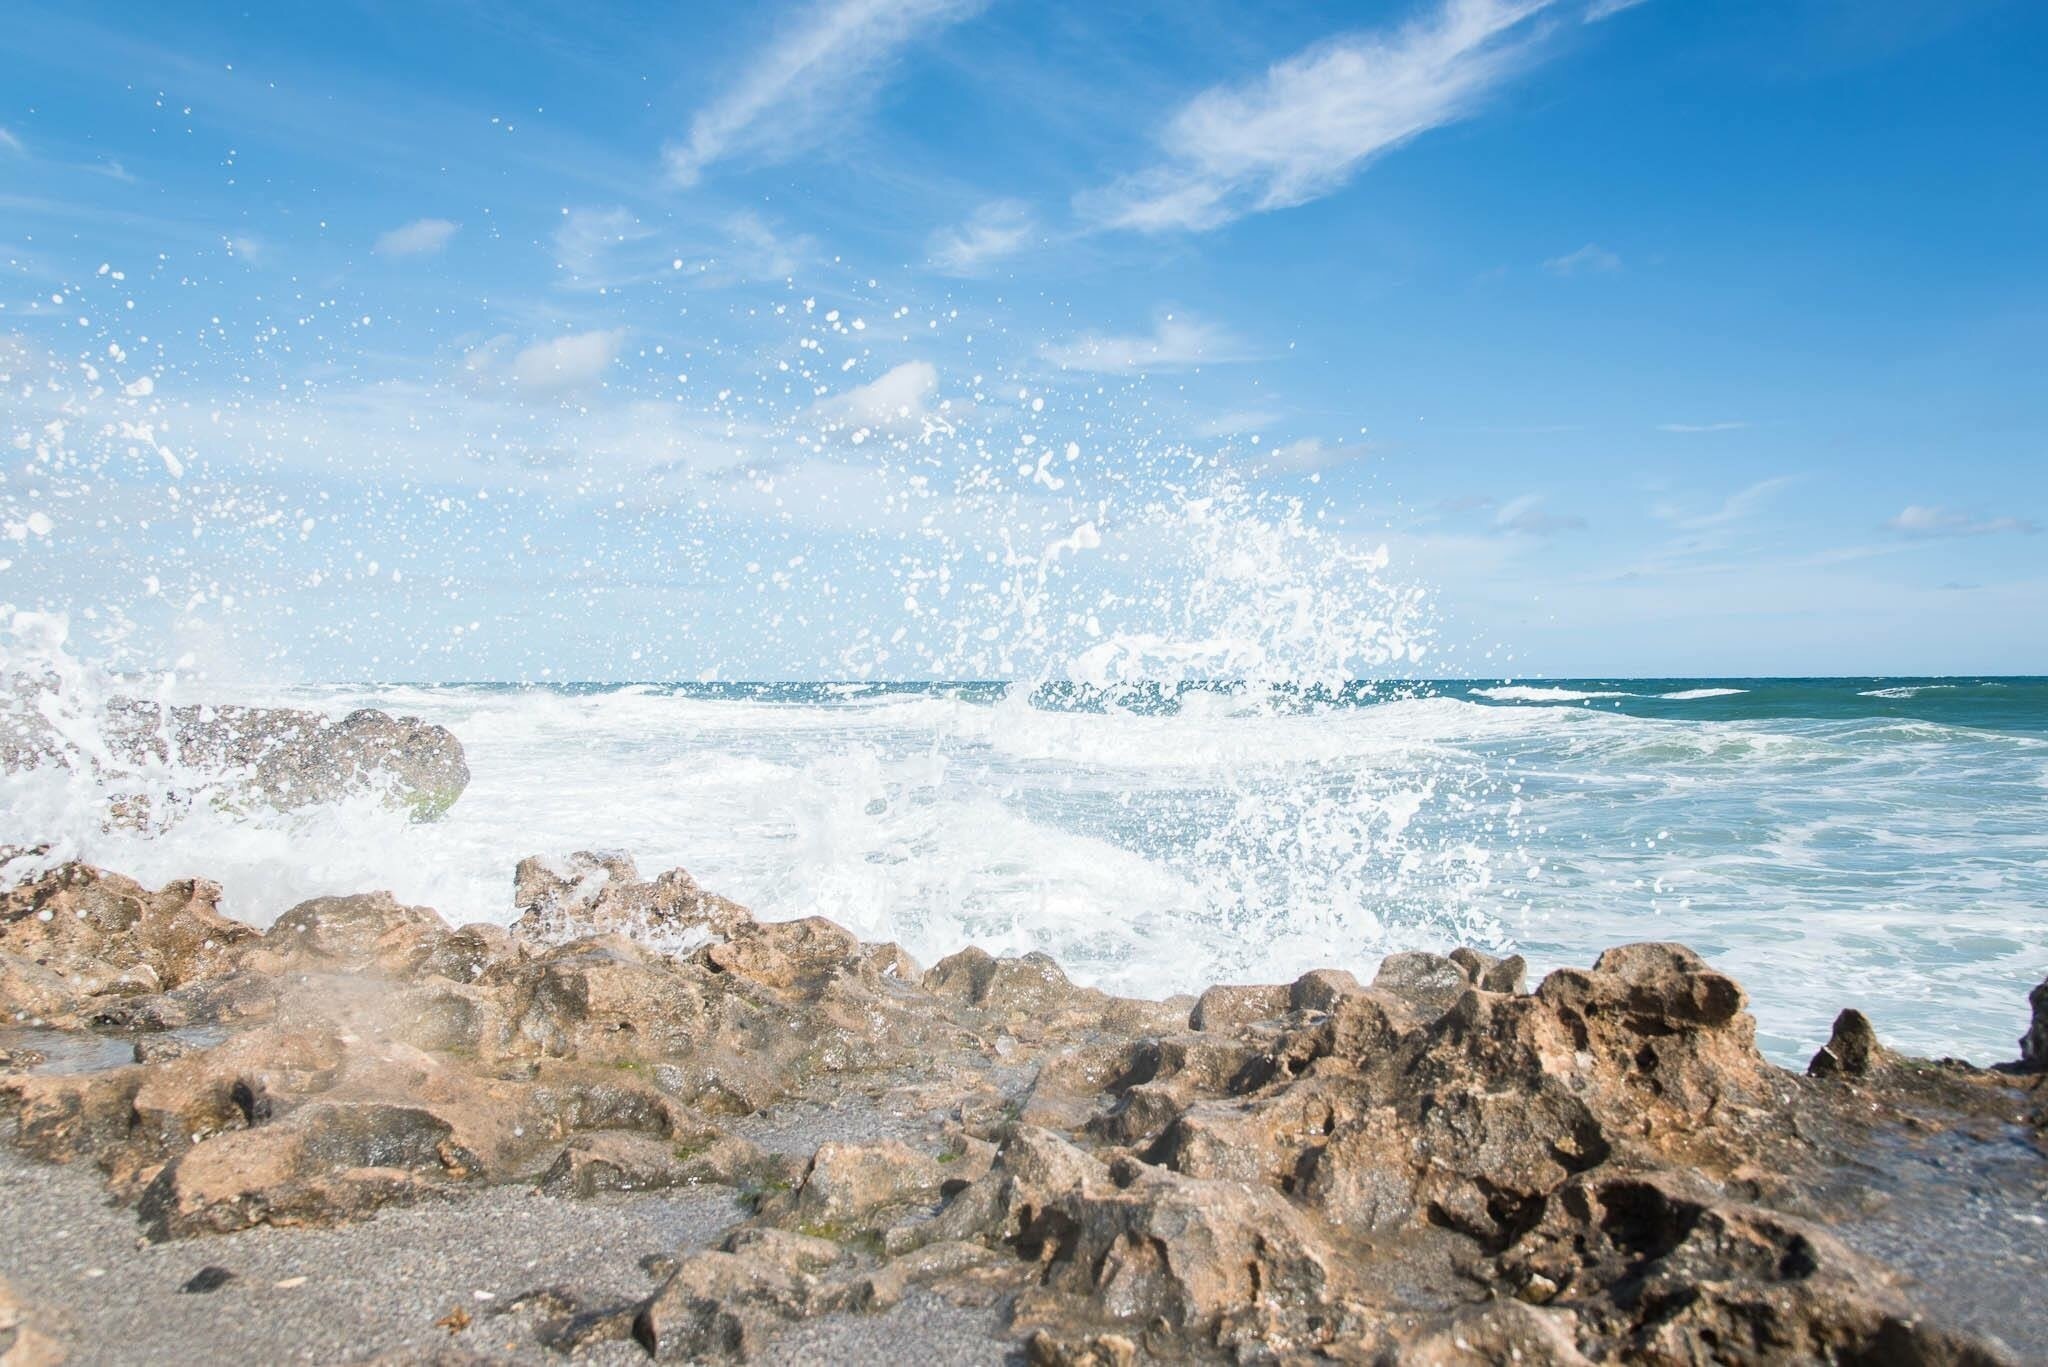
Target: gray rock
2034,1044
282,757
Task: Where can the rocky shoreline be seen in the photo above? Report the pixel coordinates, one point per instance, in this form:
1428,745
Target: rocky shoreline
978,1159
155,760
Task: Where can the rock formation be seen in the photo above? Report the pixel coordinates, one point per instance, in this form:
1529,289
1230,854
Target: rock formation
281,757
1439,1166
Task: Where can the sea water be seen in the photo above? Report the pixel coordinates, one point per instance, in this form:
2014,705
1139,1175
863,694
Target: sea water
1873,843
814,495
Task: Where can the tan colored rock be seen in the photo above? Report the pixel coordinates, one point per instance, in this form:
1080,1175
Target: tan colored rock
1225,1008
618,1161
22,1342
601,892
1437,1168
846,1184
364,930
76,934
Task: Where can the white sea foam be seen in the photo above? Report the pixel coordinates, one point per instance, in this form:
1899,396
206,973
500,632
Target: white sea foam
1530,693
1155,853
1694,694
1905,690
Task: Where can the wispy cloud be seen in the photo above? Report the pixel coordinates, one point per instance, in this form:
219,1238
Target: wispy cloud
1236,422
756,251
828,57
250,248
1695,428
1922,520
560,363
1734,508
10,143
994,231
1178,342
1311,122
587,240
1526,515
901,395
1313,453
421,237
1607,9
1591,259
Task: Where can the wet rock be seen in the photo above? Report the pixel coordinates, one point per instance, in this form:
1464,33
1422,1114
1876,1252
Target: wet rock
1033,983
1490,974
2034,1044
280,757
294,759
607,998
789,956
593,892
1438,1168
371,928
1223,1008
75,937
465,955
1852,1048
1658,1272
1430,978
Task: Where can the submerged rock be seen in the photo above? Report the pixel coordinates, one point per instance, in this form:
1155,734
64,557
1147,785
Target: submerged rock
1440,1167
281,757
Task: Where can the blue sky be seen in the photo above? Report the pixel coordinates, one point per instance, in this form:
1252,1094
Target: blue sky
1652,338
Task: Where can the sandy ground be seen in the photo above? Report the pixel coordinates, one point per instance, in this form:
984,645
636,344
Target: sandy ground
377,1287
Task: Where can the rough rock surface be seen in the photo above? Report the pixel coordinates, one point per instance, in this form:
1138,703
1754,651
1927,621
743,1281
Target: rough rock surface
282,757
1439,1167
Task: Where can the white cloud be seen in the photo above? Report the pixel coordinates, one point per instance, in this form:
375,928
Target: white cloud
1311,122
1923,520
1607,9
421,237
900,394
567,362
817,65
1525,514
1695,428
1177,343
1313,453
1734,508
1591,259
607,248
11,142
587,240
757,252
993,231
1237,422
250,249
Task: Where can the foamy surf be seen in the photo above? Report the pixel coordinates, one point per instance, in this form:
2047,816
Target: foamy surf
1212,837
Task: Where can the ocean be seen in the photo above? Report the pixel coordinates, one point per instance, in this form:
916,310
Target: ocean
1876,843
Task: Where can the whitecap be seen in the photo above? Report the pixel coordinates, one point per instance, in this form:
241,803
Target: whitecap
1524,693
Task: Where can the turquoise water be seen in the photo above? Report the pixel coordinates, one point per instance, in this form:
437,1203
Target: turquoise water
1879,843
